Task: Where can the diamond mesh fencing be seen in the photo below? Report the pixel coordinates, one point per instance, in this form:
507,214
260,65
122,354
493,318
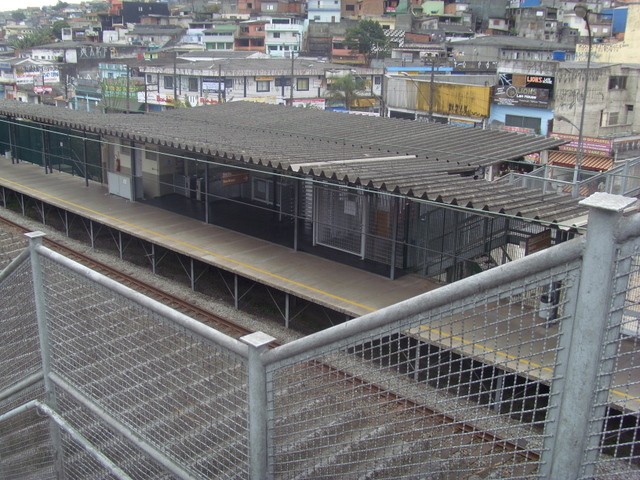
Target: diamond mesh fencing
411,398
467,381
155,397
18,330
182,395
614,448
26,450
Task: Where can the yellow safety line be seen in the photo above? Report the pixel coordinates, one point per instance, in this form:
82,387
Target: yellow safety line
298,284
195,247
508,356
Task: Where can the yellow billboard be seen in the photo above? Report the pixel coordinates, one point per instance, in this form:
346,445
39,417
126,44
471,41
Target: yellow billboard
454,99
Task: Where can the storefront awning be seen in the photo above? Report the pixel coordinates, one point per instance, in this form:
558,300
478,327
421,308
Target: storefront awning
596,163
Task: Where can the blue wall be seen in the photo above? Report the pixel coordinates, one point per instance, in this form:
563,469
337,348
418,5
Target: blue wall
499,112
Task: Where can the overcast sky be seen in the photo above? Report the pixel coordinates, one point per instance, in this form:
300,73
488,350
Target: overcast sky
10,5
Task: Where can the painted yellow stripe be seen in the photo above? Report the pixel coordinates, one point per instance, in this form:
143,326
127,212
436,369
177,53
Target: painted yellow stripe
535,366
193,247
438,332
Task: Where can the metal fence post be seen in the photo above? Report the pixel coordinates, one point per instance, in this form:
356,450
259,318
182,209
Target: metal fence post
257,415
575,381
35,240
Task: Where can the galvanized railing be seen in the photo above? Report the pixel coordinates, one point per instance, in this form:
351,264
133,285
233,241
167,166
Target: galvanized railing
528,370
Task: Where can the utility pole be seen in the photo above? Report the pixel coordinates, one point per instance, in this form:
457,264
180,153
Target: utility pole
432,88
175,79
292,50
128,89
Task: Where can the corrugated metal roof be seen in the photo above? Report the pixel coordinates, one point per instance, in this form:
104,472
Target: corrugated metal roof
430,161
596,163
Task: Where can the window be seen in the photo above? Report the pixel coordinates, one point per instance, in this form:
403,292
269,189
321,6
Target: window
527,123
276,34
350,8
263,85
150,79
168,82
193,84
629,108
377,80
302,84
610,119
617,82
262,190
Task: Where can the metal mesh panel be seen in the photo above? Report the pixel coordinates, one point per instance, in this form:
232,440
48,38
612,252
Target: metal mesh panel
26,451
339,219
486,361
615,426
115,447
18,328
184,396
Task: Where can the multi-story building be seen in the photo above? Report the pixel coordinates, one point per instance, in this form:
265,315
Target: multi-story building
538,23
251,36
220,37
283,35
261,80
325,11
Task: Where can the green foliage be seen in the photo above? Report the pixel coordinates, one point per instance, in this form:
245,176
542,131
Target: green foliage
56,28
39,37
60,5
366,36
18,16
345,89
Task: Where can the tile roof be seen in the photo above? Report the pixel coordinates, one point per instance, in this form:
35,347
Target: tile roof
430,161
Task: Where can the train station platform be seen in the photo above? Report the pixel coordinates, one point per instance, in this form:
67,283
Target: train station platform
335,286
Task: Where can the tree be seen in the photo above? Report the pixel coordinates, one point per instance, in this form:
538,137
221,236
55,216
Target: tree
56,28
366,37
18,16
345,89
38,37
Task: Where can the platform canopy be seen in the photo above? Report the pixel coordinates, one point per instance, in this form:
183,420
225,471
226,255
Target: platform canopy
443,163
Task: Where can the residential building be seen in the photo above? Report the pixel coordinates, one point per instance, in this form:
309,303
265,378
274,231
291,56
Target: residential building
251,36
324,11
626,50
220,36
258,80
501,47
283,35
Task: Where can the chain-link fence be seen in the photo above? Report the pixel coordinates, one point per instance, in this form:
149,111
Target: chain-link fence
528,370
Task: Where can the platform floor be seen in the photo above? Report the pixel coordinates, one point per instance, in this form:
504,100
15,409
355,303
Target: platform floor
341,288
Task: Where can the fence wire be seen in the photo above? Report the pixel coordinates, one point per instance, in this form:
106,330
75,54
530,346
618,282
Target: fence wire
615,423
460,389
18,329
483,361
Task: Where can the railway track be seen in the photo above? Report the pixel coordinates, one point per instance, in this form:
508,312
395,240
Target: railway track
183,306
235,330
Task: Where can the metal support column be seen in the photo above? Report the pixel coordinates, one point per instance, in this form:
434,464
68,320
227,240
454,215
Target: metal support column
580,373
153,258
296,196
236,297
66,222
394,236
286,310
120,249
193,276
35,240
258,413
93,244
84,159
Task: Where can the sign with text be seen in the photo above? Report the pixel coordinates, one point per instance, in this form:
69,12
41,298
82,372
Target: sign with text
591,145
